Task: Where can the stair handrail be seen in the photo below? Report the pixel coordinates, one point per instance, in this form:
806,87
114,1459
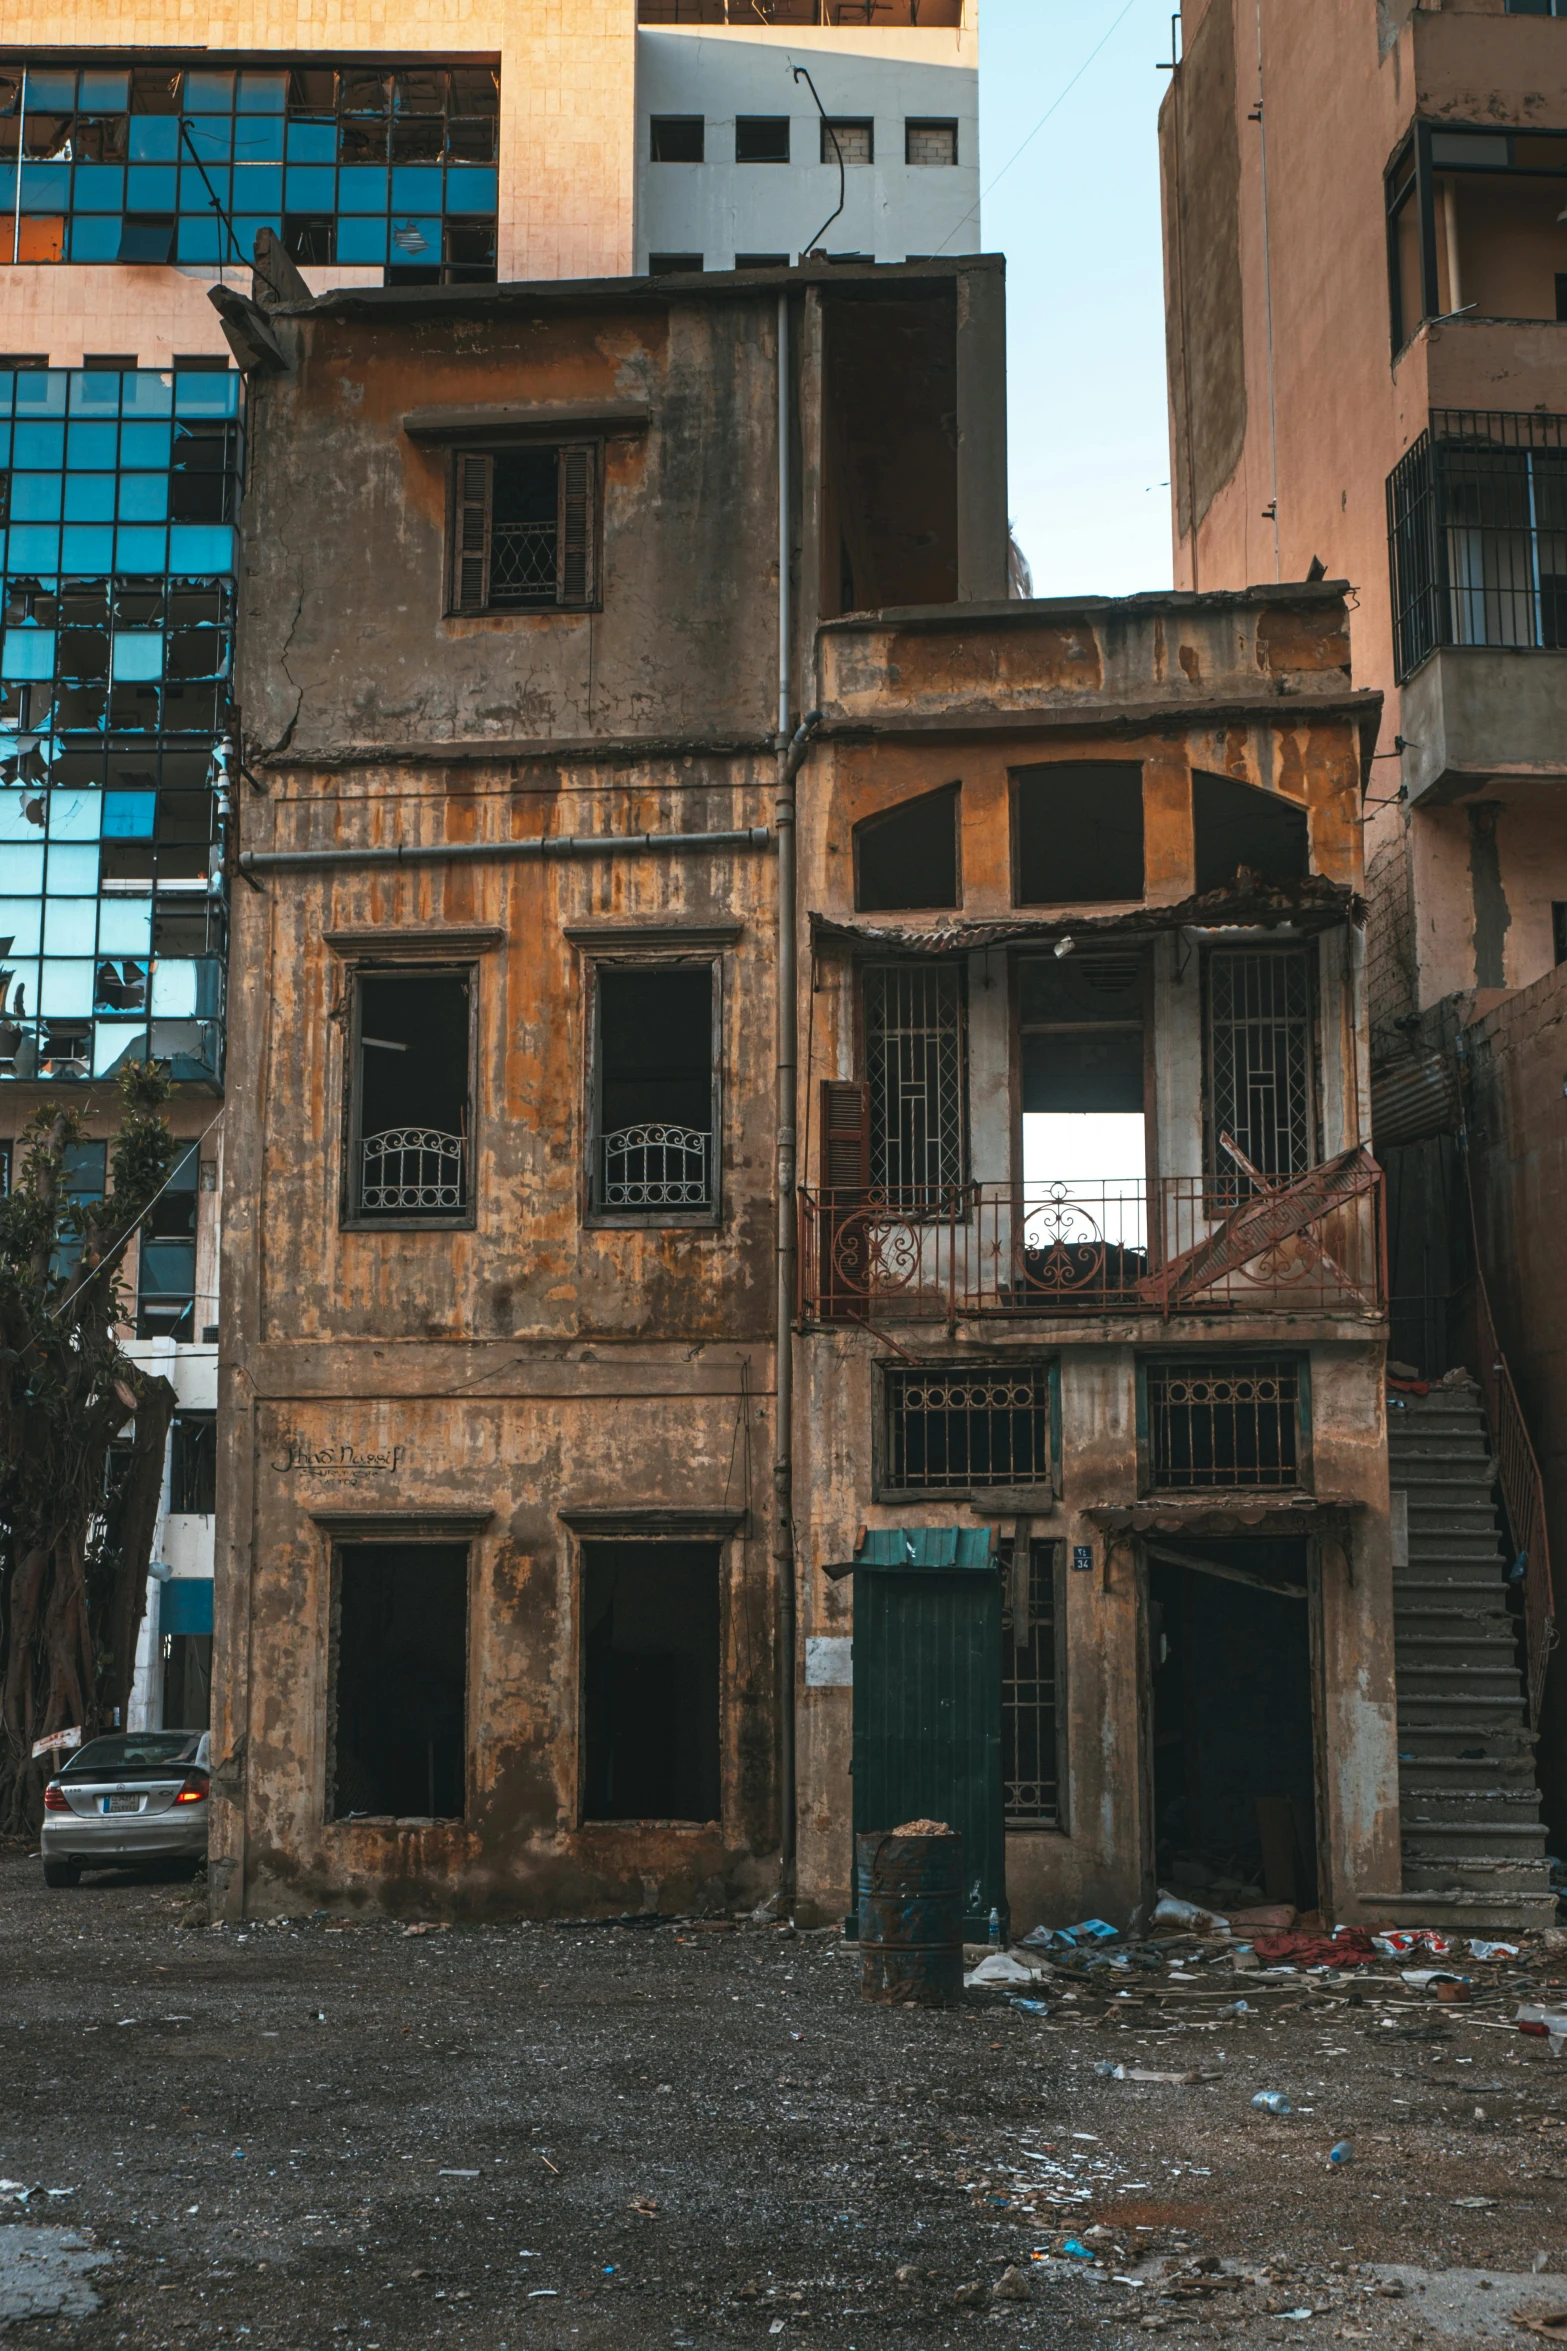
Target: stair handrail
1523,1488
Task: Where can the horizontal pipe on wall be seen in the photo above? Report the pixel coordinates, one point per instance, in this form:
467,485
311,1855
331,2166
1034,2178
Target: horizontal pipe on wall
756,836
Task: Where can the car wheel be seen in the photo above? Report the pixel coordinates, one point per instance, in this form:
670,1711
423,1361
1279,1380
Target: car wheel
62,1873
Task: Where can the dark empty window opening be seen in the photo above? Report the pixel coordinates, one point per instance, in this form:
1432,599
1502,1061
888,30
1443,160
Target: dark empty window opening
1081,1058
761,138
1030,1754
675,265
853,141
761,261
907,857
650,1681
525,535
656,1144
147,237
677,138
193,1463
310,237
166,1271
1236,825
1223,1422
1078,832
1260,1053
400,1682
950,1429
409,1129
1559,930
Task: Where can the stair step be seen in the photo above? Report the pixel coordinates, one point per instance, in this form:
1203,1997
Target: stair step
1511,1837
1476,1873
1468,1912
1431,1805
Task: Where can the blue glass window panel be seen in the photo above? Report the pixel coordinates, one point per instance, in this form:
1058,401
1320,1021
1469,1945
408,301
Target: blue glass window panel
28,653
51,92
70,926
5,445
22,867
209,93
137,656
40,391
250,225
89,497
145,394
46,187
312,142
207,394
200,240
362,188
15,823
361,241
144,497
125,926
72,871
8,193
35,497
102,92
87,547
151,187
258,187
95,392
200,547
74,816
24,988
40,445
197,188
471,187
139,549
262,93
416,241
22,922
65,989
7,390
33,547
100,187
311,188
115,1041
155,138
416,187
173,989
258,138
92,448
129,816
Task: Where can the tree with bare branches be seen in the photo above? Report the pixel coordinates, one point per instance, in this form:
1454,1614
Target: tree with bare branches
82,1437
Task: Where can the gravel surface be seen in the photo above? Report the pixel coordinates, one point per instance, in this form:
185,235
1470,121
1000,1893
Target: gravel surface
556,2138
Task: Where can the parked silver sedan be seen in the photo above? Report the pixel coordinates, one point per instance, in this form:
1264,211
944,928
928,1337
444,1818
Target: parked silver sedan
130,1798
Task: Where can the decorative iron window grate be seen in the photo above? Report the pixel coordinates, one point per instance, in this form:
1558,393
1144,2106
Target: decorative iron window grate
412,1171
1260,1063
522,563
1477,535
654,1166
1224,1423
915,1061
952,1429
1030,1760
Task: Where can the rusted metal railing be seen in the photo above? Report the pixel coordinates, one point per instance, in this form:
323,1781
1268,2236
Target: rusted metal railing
1523,1494
1187,1244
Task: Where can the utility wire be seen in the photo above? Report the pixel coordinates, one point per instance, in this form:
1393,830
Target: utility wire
1038,127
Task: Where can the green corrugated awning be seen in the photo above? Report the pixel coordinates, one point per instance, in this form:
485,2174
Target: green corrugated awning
945,1550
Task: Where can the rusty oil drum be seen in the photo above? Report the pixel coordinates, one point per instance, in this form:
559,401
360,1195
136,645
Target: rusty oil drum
909,1894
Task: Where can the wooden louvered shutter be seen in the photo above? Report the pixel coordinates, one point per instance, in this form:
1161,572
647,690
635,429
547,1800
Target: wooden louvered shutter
578,516
846,1135
471,536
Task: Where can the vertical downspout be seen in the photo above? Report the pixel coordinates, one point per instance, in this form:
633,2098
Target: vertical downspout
784,1115
1267,291
21,151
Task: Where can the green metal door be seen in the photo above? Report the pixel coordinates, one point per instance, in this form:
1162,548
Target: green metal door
927,1697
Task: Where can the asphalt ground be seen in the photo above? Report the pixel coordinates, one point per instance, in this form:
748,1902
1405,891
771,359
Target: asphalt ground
308,2135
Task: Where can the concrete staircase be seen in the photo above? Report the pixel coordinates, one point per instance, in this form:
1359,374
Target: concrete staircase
1473,1841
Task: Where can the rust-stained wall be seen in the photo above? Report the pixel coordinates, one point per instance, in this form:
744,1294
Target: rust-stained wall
1257,688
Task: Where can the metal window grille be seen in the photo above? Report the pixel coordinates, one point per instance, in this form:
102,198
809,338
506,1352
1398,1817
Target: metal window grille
655,1166
412,1171
915,1055
522,563
1260,1092
950,1430
1477,535
1224,1424
1030,1759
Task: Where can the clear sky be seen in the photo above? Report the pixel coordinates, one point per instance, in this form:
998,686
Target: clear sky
1077,216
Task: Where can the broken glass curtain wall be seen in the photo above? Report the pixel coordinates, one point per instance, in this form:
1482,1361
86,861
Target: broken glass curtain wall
114,690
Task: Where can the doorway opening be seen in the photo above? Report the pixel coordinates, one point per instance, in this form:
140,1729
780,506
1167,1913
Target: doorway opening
650,1646
1234,1773
399,1698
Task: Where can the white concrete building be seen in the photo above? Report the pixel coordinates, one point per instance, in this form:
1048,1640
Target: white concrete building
172,1685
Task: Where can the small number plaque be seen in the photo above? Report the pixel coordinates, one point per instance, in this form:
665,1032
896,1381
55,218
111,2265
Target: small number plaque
1083,1557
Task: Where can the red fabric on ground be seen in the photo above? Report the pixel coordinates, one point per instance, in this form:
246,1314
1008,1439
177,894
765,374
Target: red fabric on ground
1350,1947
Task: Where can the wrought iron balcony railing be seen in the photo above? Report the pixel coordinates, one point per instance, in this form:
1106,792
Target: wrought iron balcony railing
1184,1244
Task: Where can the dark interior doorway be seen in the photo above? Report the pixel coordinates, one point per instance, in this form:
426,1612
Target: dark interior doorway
650,1640
1233,1748
187,1681
400,1681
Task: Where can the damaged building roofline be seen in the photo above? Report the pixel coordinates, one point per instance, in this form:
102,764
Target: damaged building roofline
1019,611
254,861
1177,712
556,751
1315,904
